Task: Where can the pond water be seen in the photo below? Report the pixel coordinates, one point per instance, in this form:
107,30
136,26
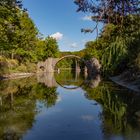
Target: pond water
67,106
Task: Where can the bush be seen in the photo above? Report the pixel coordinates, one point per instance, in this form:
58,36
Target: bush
31,67
114,55
12,63
3,65
21,68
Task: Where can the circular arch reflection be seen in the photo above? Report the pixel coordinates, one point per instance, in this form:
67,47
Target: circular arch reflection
69,88
55,80
89,81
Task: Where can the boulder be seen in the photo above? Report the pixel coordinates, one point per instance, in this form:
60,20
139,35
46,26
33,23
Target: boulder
93,66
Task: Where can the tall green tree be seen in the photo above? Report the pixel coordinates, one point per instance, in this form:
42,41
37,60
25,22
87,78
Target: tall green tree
9,22
18,34
47,48
26,38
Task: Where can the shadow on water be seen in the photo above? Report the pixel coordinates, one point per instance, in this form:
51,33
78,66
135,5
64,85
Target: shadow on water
21,100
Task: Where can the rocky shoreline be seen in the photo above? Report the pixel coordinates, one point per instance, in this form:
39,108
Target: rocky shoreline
15,76
127,81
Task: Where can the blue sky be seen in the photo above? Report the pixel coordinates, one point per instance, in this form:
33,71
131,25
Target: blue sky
58,18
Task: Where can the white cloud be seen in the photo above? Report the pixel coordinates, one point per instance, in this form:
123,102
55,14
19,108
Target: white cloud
74,45
57,36
87,18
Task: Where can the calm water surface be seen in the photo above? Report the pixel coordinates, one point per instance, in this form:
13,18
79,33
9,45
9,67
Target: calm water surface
67,106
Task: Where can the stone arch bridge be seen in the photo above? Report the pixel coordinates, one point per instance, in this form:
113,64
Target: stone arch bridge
50,63
92,65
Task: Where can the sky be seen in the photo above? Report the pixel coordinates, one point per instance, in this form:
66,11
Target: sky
59,19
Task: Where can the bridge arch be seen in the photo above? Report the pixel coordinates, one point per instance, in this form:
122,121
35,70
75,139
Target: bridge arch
50,63
69,56
92,66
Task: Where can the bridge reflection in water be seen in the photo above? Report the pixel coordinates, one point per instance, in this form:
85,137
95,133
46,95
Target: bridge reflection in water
74,78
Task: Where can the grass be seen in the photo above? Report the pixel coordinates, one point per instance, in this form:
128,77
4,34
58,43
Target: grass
8,66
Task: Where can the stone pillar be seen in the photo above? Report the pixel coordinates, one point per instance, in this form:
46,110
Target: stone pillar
49,66
48,79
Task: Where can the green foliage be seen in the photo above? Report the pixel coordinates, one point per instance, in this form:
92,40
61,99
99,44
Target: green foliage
69,77
17,32
66,63
3,66
47,48
120,38
92,49
117,47
8,25
8,66
26,38
51,47
19,37
113,55
46,95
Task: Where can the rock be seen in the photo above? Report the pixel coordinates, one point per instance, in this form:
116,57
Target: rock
93,66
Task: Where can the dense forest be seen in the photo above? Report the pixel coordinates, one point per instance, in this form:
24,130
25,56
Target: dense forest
117,45
21,44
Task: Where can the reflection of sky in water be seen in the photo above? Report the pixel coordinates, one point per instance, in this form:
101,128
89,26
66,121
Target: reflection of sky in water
87,117
68,119
58,99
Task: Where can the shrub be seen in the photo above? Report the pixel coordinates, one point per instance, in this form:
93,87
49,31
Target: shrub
3,65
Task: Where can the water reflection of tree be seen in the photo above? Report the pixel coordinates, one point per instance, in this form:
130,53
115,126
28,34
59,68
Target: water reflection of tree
18,105
119,107
69,77
46,94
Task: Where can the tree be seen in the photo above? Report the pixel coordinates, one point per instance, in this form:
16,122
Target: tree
9,22
108,11
26,38
51,47
118,43
92,49
18,34
11,3
47,48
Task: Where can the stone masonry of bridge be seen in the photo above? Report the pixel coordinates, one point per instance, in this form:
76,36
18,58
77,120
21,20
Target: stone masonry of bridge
93,66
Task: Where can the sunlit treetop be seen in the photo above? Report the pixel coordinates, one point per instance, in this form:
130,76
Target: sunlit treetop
11,3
